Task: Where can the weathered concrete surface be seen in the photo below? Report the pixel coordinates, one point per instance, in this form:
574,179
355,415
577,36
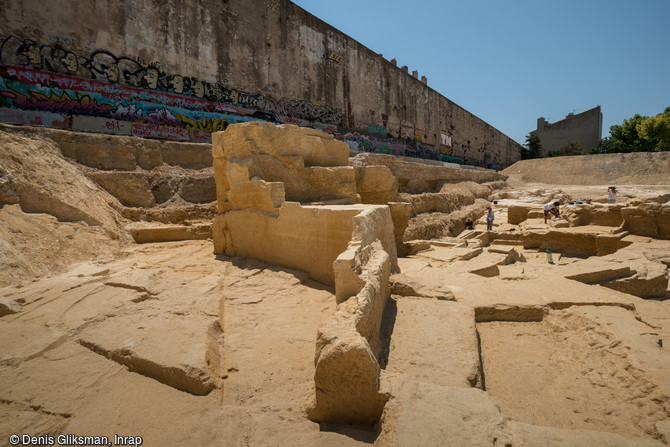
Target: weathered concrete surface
204,64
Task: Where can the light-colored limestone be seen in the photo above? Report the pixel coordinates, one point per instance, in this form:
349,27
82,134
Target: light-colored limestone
415,179
325,232
649,219
432,415
263,172
261,169
347,371
310,165
412,285
376,184
536,435
435,342
119,345
143,233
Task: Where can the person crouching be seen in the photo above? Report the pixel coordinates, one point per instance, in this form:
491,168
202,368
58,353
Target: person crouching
551,207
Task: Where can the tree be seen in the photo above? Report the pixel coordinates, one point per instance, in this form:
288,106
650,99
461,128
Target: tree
656,130
533,147
625,137
572,149
569,149
604,146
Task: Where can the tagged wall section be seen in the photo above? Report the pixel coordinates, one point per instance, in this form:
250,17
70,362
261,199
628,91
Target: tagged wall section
181,70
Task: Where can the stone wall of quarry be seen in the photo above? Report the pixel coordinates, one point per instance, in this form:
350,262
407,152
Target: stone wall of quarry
81,195
636,168
183,70
288,195
262,173
644,219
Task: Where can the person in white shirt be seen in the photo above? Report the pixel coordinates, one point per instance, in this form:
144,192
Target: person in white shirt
611,194
551,207
489,218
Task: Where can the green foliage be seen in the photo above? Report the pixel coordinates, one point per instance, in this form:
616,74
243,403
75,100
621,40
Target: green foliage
569,149
604,146
533,147
625,137
639,134
656,130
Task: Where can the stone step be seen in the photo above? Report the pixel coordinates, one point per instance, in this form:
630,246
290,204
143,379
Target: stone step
507,242
145,233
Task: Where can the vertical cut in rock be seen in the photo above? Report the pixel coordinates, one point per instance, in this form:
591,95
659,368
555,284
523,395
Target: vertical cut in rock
189,379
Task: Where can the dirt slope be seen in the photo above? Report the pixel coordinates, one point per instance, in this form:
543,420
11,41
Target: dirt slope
51,214
640,168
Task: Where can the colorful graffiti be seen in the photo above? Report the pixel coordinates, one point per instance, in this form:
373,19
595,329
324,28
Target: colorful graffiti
104,66
365,143
33,97
51,85
369,143
374,128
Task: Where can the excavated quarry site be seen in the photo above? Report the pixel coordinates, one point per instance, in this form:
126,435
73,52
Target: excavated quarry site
273,289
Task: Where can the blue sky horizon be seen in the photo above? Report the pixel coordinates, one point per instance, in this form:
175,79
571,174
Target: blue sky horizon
510,63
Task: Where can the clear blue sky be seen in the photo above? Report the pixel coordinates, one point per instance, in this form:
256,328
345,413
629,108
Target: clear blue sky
510,62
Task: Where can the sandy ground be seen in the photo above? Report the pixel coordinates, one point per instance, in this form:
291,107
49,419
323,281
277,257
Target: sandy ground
173,344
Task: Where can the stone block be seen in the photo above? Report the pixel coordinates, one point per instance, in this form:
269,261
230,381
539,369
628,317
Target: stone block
375,184
518,213
347,371
400,212
144,233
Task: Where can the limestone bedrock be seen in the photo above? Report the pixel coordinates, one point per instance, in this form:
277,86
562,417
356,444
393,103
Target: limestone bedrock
288,196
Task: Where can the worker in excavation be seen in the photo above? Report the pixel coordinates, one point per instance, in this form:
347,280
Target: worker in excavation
551,207
611,194
489,218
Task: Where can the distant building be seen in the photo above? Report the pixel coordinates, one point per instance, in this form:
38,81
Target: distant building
585,128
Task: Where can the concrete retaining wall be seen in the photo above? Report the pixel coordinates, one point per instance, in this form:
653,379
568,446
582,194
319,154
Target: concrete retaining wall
181,70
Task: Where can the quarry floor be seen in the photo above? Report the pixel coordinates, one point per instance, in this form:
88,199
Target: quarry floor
132,345
482,344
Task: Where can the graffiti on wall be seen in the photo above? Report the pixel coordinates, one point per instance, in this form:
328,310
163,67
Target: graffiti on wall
445,140
365,143
104,66
54,86
35,97
375,128
369,143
